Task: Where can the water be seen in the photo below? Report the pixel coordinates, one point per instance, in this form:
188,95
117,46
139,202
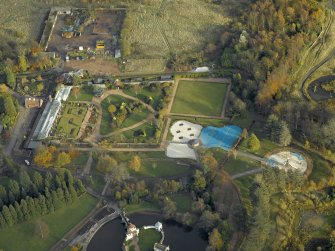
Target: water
111,235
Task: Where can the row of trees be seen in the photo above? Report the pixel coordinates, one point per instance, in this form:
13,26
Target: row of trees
8,110
37,196
51,157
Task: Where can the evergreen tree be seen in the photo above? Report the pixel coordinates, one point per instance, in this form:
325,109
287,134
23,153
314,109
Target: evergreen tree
38,208
23,193
48,182
1,204
68,177
25,180
13,213
11,198
3,223
38,180
15,189
18,210
7,215
31,206
56,201
79,187
24,209
284,137
43,205
73,193
3,194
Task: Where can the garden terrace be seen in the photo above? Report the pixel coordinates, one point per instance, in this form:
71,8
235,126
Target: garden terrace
71,120
128,113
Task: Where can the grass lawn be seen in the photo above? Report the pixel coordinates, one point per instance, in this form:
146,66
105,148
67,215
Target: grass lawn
240,165
97,181
131,119
143,206
147,239
199,98
23,236
70,121
160,168
85,94
183,202
149,128
80,160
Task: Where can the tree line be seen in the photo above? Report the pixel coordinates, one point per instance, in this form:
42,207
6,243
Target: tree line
35,195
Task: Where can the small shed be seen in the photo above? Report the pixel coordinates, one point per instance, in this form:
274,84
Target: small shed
33,102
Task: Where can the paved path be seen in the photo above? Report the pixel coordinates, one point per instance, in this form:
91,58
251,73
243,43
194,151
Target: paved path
148,119
251,156
17,130
88,165
247,173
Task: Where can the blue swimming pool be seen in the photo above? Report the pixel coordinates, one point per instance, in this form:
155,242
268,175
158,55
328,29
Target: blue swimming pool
223,137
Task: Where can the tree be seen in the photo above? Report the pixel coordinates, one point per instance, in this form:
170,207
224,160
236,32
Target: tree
112,109
10,77
209,162
39,87
169,208
119,173
106,164
199,181
7,216
285,137
135,163
41,229
23,62
253,142
63,159
208,220
38,180
3,88
215,240
43,157
25,180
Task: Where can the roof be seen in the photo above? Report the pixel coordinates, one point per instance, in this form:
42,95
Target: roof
33,102
50,113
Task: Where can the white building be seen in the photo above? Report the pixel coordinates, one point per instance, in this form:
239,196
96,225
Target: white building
132,231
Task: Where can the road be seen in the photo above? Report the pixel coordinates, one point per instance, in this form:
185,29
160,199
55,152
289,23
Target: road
16,132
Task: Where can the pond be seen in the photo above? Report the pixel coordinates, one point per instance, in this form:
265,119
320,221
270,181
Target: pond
316,92
111,235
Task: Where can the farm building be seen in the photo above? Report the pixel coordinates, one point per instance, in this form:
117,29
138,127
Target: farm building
33,102
100,45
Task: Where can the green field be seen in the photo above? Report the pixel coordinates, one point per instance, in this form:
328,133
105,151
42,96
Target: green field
85,94
148,238
160,168
240,165
24,236
70,121
183,202
199,98
143,206
131,119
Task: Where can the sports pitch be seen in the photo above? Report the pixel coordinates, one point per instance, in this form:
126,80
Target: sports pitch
199,98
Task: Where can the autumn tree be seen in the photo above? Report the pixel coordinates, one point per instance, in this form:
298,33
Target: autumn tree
43,157
215,240
135,163
62,159
75,91
23,63
112,109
